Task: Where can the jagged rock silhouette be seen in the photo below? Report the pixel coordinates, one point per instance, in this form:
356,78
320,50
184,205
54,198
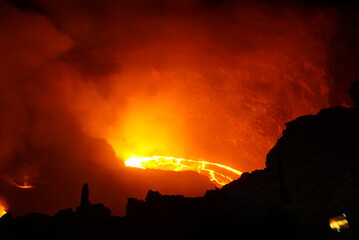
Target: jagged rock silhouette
311,174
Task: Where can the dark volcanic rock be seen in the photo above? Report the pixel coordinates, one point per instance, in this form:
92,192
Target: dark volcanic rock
163,205
317,163
91,212
354,92
312,174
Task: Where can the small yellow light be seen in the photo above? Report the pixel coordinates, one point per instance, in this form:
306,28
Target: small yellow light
339,223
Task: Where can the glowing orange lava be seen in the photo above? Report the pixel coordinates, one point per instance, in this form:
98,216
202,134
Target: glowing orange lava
2,210
25,184
217,173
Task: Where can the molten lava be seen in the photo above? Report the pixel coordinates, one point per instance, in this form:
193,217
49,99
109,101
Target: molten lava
217,173
2,210
24,185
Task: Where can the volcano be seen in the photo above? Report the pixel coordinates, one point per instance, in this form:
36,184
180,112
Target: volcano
311,177
180,97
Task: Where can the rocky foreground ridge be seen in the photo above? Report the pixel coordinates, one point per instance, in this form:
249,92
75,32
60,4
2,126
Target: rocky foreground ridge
311,175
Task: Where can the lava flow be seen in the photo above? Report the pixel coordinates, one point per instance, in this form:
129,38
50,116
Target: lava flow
218,174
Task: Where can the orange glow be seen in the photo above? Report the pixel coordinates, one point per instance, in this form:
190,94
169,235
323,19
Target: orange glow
191,79
221,96
2,209
25,184
217,173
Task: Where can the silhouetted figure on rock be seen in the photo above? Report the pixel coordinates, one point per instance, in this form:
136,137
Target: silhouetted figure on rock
85,196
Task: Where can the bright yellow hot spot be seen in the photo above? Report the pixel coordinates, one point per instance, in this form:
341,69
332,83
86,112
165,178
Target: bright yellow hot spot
217,173
24,186
2,210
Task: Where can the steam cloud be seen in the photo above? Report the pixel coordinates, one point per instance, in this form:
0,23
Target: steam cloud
84,81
